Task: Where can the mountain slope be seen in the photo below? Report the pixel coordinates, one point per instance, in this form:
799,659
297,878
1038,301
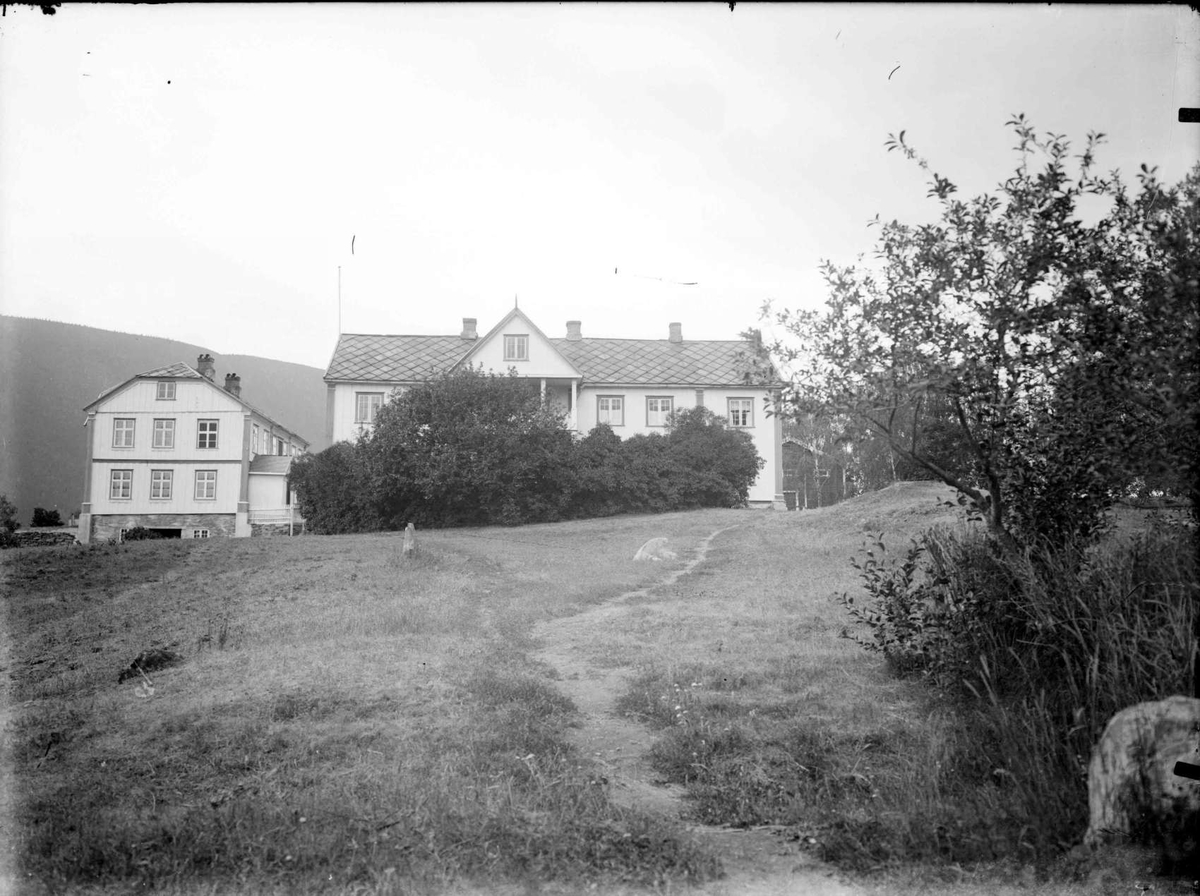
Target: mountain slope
50,370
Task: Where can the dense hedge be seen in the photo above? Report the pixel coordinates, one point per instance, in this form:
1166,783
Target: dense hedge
470,448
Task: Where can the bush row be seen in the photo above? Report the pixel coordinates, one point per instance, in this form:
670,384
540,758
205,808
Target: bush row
469,448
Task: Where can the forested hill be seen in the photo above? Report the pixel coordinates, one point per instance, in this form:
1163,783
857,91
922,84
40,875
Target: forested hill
49,371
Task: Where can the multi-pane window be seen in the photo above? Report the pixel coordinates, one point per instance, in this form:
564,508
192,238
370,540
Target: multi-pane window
164,433
741,412
166,390
366,406
658,410
206,435
199,533
611,410
516,348
206,485
160,484
120,486
123,432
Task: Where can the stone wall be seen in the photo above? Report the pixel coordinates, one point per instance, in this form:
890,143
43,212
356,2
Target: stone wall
268,530
38,538
108,526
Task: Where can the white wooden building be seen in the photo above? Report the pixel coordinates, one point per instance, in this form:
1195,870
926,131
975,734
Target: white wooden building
171,450
630,384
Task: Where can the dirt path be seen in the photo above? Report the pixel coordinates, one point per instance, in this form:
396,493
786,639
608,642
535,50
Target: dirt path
757,862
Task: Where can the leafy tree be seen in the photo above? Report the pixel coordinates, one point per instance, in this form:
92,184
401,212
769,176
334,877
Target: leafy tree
44,517
1011,350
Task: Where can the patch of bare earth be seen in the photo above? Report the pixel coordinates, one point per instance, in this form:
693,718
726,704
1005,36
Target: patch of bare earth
757,861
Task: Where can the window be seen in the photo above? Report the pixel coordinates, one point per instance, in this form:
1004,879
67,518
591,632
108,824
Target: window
366,406
516,348
611,410
657,411
207,434
123,432
699,398
199,533
741,412
121,485
166,390
160,484
164,433
254,442
279,447
206,485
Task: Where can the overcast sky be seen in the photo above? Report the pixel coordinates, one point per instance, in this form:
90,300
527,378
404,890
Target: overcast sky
200,172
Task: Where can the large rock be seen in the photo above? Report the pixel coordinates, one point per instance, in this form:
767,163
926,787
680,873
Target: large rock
1132,786
655,549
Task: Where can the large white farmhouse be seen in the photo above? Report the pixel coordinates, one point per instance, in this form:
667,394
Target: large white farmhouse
171,450
633,385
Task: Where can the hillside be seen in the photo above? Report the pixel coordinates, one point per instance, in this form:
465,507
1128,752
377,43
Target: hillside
50,370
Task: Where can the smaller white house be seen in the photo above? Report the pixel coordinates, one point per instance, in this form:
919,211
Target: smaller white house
170,450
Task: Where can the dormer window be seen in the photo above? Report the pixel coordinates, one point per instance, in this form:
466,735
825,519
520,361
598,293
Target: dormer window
516,348
166,390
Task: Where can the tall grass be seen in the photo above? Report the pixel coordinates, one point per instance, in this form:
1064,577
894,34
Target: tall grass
1035,654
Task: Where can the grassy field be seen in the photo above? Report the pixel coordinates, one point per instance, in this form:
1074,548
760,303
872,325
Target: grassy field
339,717
343,720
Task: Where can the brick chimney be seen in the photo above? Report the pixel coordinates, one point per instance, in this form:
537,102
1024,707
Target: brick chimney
233,384
574,330
469,328
205,366
676,332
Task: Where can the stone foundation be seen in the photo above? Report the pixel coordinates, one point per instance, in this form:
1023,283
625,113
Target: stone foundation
271,530
108,527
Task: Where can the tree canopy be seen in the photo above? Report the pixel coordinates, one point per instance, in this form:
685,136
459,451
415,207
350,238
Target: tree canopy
1036,362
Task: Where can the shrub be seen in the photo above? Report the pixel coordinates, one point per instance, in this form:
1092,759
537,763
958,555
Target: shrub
43,517
719,464
8,522
1036,652
141,533
332,490
468,448
475,449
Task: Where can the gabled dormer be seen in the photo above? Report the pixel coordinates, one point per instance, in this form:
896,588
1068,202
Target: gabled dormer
516,343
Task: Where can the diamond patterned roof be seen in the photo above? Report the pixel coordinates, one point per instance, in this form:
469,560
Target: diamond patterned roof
656,361
600,361
394,358
181,371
